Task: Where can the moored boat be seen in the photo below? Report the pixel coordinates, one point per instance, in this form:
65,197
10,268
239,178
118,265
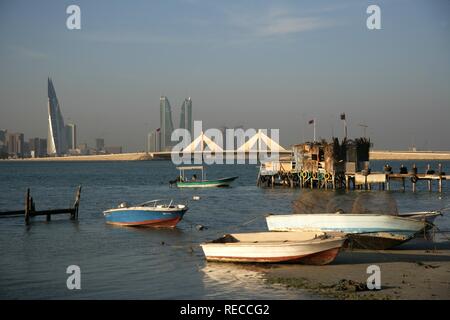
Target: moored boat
183,182
347,222
365,231
153,213
315,248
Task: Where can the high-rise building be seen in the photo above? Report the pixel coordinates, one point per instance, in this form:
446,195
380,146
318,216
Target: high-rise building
57,142
154,141
186,115
15,144
100,144
38,147
166,124
71,136
3,135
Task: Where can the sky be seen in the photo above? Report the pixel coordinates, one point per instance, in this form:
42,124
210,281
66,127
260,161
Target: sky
259,64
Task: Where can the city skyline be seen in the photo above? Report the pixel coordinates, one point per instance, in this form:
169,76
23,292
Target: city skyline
259,64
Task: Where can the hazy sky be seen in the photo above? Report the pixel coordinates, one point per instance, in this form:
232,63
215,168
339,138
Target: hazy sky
261,64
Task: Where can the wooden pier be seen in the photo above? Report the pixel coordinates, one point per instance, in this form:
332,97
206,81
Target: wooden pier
30,209
323,165
354,181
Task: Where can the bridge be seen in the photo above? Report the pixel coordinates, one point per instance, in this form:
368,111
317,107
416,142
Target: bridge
204,145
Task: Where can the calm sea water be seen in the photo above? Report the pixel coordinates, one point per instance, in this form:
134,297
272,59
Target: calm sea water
132,263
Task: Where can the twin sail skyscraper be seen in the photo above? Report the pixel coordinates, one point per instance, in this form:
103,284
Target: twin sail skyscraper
57,142
159,140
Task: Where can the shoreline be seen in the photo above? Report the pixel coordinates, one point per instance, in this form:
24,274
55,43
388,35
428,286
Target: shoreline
406,273
143,156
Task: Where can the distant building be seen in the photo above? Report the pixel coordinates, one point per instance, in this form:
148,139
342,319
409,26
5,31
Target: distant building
38,147
3,149
100,144
3,135
84,149
57,142
113,149
166,123
71,136
154,141
186,121
15,144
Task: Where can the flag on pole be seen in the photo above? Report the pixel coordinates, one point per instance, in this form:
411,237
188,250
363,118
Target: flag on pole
311,121
342,116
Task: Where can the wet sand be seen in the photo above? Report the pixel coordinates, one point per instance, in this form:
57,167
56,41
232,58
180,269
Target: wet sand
415,270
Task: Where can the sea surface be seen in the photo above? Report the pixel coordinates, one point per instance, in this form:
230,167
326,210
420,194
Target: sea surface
137,263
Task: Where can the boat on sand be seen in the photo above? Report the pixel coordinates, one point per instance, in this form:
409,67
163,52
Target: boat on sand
316,248
367,231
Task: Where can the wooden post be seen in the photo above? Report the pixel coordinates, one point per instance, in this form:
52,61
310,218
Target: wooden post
440,176
74,215
27,207
429,180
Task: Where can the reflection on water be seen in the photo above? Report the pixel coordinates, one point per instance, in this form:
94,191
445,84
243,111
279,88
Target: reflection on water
323,201
142,263
242,281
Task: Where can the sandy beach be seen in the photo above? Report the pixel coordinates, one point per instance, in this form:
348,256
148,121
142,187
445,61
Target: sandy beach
416,270
137,156
409,155
141,156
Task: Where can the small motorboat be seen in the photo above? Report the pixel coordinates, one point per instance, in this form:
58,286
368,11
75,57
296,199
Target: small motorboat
365,231
315,248
183,182
152,213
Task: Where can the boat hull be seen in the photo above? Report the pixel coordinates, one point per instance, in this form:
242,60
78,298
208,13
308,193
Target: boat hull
347,223
144,218
376,241
317,252
225,182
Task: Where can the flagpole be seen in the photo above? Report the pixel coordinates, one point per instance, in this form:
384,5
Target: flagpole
314,129
345,128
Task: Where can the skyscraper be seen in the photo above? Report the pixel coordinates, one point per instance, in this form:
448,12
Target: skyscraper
71,136
57,142
166,124
154,141
15,144
186,115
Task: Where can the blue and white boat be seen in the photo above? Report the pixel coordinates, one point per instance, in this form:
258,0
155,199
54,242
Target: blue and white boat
369,231
152,213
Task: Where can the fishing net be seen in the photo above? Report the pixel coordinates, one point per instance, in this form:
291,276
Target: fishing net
320,201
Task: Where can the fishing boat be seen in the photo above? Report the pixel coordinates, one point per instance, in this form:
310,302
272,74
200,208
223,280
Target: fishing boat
368,231
154,213
183,182
315,248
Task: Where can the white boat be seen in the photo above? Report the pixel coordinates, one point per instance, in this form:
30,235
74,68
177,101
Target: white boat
315,248
347,223
364,231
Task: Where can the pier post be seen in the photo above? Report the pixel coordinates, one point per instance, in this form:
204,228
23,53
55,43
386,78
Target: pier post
429,180
27,207
440,176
